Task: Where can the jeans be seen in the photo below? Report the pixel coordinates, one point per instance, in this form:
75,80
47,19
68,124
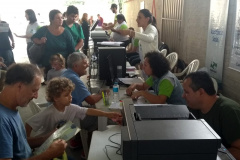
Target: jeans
8,57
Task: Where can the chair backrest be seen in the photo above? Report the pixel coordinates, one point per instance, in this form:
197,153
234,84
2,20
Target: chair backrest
172,58
164,52
215,84
30,110
192,67
164,46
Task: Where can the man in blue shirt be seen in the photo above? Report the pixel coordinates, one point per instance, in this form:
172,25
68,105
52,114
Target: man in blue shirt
77,65
21,86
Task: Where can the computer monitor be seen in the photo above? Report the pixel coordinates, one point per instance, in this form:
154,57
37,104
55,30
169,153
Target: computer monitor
117,57
95,25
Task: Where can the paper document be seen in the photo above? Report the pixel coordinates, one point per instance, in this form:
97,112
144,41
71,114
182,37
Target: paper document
107,43
115,105
130,80
140,100
66,132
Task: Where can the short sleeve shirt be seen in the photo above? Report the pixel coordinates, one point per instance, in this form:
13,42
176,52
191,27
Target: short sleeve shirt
62,44
80,92
31,30
224,118
76,32
13,138
4,38
165,87
50,118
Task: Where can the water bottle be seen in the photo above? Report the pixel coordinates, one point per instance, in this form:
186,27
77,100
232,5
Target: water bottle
115,92
119,72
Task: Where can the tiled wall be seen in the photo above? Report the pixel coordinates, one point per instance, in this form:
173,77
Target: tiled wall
194,36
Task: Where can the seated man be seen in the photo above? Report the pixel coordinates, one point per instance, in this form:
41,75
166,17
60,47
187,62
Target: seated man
77,65
21,86
221,113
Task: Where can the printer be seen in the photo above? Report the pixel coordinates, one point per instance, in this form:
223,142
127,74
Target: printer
165,132
99,36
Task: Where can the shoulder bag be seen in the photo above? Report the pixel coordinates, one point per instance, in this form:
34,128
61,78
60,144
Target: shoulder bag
36,51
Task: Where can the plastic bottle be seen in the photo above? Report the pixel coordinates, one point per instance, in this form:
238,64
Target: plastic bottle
115,92
119,72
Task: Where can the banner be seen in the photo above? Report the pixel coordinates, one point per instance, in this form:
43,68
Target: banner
235,55
216,37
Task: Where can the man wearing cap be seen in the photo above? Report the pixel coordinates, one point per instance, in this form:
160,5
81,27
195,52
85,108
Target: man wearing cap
111,25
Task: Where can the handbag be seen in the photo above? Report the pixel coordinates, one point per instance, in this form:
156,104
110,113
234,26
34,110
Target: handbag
36,51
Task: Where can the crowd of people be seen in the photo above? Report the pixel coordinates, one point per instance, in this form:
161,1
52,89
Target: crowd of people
64,64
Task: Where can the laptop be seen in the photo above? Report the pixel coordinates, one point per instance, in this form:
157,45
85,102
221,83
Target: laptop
95,25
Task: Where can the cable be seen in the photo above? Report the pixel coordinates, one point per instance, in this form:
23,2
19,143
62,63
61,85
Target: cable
112,141
106,146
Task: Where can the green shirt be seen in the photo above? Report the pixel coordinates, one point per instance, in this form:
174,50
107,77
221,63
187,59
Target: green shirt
76,32
136,43
62,44
165,87
224,118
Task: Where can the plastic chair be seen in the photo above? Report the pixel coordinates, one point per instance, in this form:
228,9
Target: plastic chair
30,110
164,52
172,58
192,67
215,84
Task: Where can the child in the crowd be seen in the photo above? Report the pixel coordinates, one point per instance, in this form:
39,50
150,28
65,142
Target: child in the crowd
58,91
57,62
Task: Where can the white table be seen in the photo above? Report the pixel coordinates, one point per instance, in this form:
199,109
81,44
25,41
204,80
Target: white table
100,140
102,121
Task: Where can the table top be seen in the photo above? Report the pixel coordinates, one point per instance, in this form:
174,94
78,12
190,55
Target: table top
99,142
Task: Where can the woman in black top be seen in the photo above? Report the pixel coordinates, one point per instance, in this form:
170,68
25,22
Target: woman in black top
85,27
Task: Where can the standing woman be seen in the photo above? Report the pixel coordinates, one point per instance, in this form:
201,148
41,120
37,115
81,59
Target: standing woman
148,39
121,25
32,28
56,39
85,27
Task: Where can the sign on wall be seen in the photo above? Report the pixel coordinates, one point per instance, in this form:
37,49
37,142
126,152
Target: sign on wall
235,55
216,37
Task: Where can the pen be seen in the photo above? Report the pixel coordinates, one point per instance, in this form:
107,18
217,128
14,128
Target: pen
103,98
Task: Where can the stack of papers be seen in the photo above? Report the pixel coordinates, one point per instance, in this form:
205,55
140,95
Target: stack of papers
66,132
108,43
130,70
116,105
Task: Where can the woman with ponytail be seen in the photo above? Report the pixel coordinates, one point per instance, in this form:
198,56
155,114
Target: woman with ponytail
148,39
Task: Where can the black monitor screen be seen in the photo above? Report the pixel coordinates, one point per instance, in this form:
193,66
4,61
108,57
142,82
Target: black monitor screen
117,57
95,25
